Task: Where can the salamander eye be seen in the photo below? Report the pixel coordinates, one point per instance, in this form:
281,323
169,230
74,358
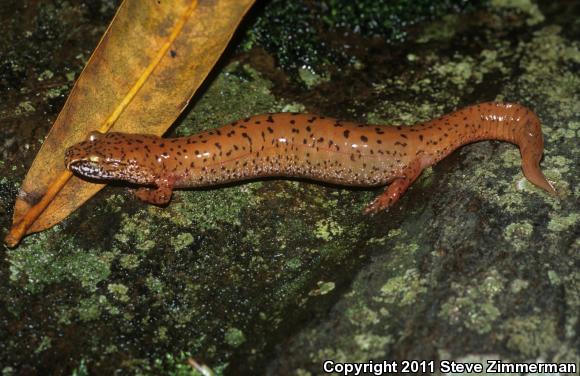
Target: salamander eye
94,135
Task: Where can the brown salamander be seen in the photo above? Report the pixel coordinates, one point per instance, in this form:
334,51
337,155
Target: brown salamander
305,146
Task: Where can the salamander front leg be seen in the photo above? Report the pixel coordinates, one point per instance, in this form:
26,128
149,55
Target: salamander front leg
157,196
396,189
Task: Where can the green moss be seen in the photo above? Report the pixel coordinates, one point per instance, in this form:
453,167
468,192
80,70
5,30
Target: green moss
181,365
238,92
311,78
234,337
89,309
81,370
45,344
34,265
209,209
291,30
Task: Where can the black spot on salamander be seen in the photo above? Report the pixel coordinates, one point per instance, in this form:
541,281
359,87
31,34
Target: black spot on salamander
330,142
295,130
217,145
257,122
161,145
270,130
173,53
421,137
245,135
364,138
321,139
379,142
311,120
346,133
403,135
270,119
292,121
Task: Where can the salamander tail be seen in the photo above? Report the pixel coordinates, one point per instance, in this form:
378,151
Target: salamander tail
530,141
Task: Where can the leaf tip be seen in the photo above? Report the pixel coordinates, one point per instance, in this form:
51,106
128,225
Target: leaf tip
14,236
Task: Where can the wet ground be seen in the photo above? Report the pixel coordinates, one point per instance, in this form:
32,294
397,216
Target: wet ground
277,276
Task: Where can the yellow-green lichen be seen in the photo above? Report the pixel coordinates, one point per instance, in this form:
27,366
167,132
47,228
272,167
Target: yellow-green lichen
403,290
535,16
323,288
560,223
518,285
182,241
518,235
24,108
360,315
119,291
473,306
532,336
327,229
129,261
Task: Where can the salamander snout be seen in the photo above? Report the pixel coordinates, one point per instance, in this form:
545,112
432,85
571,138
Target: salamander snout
111,156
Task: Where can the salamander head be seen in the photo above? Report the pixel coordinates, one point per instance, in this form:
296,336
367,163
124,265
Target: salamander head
109,156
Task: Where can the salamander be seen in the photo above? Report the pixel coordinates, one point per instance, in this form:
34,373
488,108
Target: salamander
305,146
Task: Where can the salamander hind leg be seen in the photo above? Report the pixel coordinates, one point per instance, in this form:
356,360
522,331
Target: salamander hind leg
396,189
157,196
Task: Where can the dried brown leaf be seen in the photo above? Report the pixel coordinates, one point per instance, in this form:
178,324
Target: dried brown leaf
124,86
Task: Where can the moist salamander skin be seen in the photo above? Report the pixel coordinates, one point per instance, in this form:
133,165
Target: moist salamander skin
305,146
